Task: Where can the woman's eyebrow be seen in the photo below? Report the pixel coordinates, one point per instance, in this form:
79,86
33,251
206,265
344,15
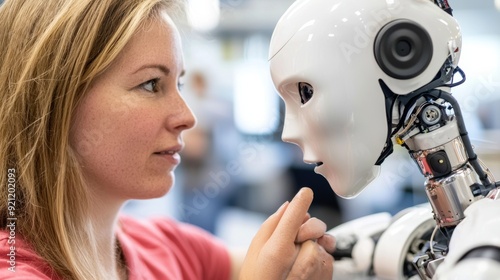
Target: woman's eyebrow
160,67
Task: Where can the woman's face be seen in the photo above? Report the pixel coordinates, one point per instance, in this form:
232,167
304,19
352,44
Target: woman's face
127,130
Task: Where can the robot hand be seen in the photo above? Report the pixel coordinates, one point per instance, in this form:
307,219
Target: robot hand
355,244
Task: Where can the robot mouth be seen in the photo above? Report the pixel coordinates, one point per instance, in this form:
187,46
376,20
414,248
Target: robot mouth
318,167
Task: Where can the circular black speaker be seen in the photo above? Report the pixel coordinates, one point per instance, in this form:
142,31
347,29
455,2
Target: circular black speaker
403,49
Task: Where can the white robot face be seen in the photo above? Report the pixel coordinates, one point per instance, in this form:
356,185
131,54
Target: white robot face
328,60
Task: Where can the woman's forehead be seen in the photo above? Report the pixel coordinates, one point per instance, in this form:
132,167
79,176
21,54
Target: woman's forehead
157,41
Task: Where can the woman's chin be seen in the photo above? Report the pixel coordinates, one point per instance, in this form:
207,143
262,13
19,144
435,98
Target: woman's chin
155,190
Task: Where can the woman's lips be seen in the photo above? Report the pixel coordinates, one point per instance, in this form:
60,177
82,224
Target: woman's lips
172,156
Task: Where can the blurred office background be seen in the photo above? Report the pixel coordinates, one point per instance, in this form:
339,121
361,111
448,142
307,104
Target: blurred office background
235,169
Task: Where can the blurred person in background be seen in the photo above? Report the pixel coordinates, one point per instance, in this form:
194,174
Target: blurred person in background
201,158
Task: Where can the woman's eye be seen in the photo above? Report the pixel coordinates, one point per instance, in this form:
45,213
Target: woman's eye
151,85
180,86
306,91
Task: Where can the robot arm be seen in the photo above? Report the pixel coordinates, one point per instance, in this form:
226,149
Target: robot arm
474,249
357,77
406,246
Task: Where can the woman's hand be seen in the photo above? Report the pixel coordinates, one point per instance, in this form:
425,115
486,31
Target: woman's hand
290,245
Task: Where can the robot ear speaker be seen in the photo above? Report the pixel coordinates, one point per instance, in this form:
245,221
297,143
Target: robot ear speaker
403,49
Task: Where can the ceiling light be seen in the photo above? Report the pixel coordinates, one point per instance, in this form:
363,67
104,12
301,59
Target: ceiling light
203,15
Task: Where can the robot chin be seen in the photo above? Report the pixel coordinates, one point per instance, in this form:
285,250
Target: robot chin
343,183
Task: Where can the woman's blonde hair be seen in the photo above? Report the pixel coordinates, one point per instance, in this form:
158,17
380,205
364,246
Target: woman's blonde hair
50,51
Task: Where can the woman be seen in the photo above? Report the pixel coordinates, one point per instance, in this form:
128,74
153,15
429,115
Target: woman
91,116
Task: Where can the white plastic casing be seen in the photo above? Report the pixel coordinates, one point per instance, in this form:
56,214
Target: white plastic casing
479,228
330,45
393,245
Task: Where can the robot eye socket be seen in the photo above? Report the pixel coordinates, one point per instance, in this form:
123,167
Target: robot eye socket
306,92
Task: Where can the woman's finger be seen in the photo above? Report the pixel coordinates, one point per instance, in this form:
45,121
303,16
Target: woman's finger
312,262
328,242
268,227
312,229
289,225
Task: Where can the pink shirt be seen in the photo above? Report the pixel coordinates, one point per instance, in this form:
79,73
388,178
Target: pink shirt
153,249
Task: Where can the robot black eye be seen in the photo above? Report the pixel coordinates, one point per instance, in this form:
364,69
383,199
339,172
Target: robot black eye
306,91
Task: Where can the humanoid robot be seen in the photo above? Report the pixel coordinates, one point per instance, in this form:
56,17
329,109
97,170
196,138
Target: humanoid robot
359,76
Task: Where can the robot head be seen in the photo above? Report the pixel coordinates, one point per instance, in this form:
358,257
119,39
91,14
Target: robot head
330,60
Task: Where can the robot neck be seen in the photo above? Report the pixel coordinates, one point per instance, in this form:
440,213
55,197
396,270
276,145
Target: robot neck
434,134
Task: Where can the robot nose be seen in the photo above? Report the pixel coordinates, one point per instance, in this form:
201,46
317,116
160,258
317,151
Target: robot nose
288,139
291,132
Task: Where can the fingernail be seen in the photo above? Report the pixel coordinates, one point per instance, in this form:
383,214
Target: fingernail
302,190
